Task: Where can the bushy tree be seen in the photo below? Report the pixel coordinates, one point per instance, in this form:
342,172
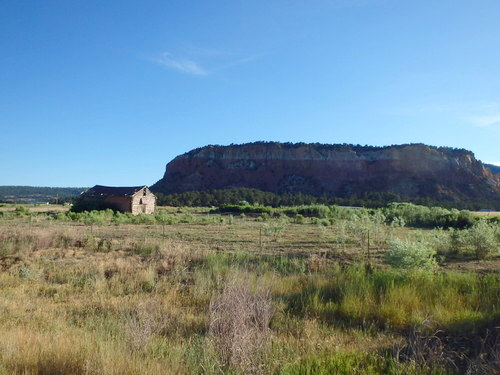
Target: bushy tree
275,228
483,238
410,255
93,218
163,219
22,211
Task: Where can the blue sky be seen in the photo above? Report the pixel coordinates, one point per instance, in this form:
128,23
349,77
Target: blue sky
107,92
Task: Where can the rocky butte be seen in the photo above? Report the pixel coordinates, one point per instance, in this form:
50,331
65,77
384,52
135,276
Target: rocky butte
411,170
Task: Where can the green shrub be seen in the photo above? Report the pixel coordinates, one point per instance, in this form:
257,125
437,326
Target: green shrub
299,219
187,219
92,218
427,217
244,208
163,218
317,210
410,255
483,238
264,217
61,216
397,222
275,228
324,222
121,218
456,239
143,219
22,211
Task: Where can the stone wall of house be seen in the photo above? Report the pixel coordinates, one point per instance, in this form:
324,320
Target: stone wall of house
143,202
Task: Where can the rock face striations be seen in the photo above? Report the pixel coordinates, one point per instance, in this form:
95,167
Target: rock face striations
414,170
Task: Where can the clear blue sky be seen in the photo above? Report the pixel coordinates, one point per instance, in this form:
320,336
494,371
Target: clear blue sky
107,92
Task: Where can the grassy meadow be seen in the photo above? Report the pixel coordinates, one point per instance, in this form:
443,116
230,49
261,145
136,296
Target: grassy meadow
192,292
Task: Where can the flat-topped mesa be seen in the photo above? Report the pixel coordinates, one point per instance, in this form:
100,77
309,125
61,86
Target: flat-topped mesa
413,170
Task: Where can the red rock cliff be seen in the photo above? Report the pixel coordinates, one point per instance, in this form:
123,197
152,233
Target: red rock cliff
415,170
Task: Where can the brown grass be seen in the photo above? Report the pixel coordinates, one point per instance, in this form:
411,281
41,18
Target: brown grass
239,324
128,300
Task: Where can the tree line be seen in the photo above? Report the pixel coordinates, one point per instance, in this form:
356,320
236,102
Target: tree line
218,197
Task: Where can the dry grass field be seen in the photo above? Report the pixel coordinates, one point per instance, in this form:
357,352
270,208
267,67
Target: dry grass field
212,294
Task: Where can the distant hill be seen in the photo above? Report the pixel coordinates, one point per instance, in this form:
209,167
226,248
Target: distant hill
335,170
37,194
495,169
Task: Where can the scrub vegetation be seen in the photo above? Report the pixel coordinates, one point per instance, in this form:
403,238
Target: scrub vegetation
291,290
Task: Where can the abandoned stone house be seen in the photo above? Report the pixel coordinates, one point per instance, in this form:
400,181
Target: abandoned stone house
134,199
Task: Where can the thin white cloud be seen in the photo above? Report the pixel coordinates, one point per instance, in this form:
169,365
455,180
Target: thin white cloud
216,61
486,114
241,61
181,64
497,163
485,121
479,114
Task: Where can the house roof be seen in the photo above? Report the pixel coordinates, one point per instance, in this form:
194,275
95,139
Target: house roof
123,191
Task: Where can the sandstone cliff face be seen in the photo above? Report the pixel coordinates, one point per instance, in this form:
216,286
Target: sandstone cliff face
415,170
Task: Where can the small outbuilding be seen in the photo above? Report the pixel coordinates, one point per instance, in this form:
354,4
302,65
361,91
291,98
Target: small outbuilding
134,199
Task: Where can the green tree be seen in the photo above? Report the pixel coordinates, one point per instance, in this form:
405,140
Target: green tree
163,219
92,218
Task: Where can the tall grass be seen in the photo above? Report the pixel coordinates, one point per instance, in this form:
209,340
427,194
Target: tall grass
397,301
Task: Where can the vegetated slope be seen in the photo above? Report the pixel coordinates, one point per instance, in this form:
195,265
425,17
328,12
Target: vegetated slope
495,169
25,194
411,170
